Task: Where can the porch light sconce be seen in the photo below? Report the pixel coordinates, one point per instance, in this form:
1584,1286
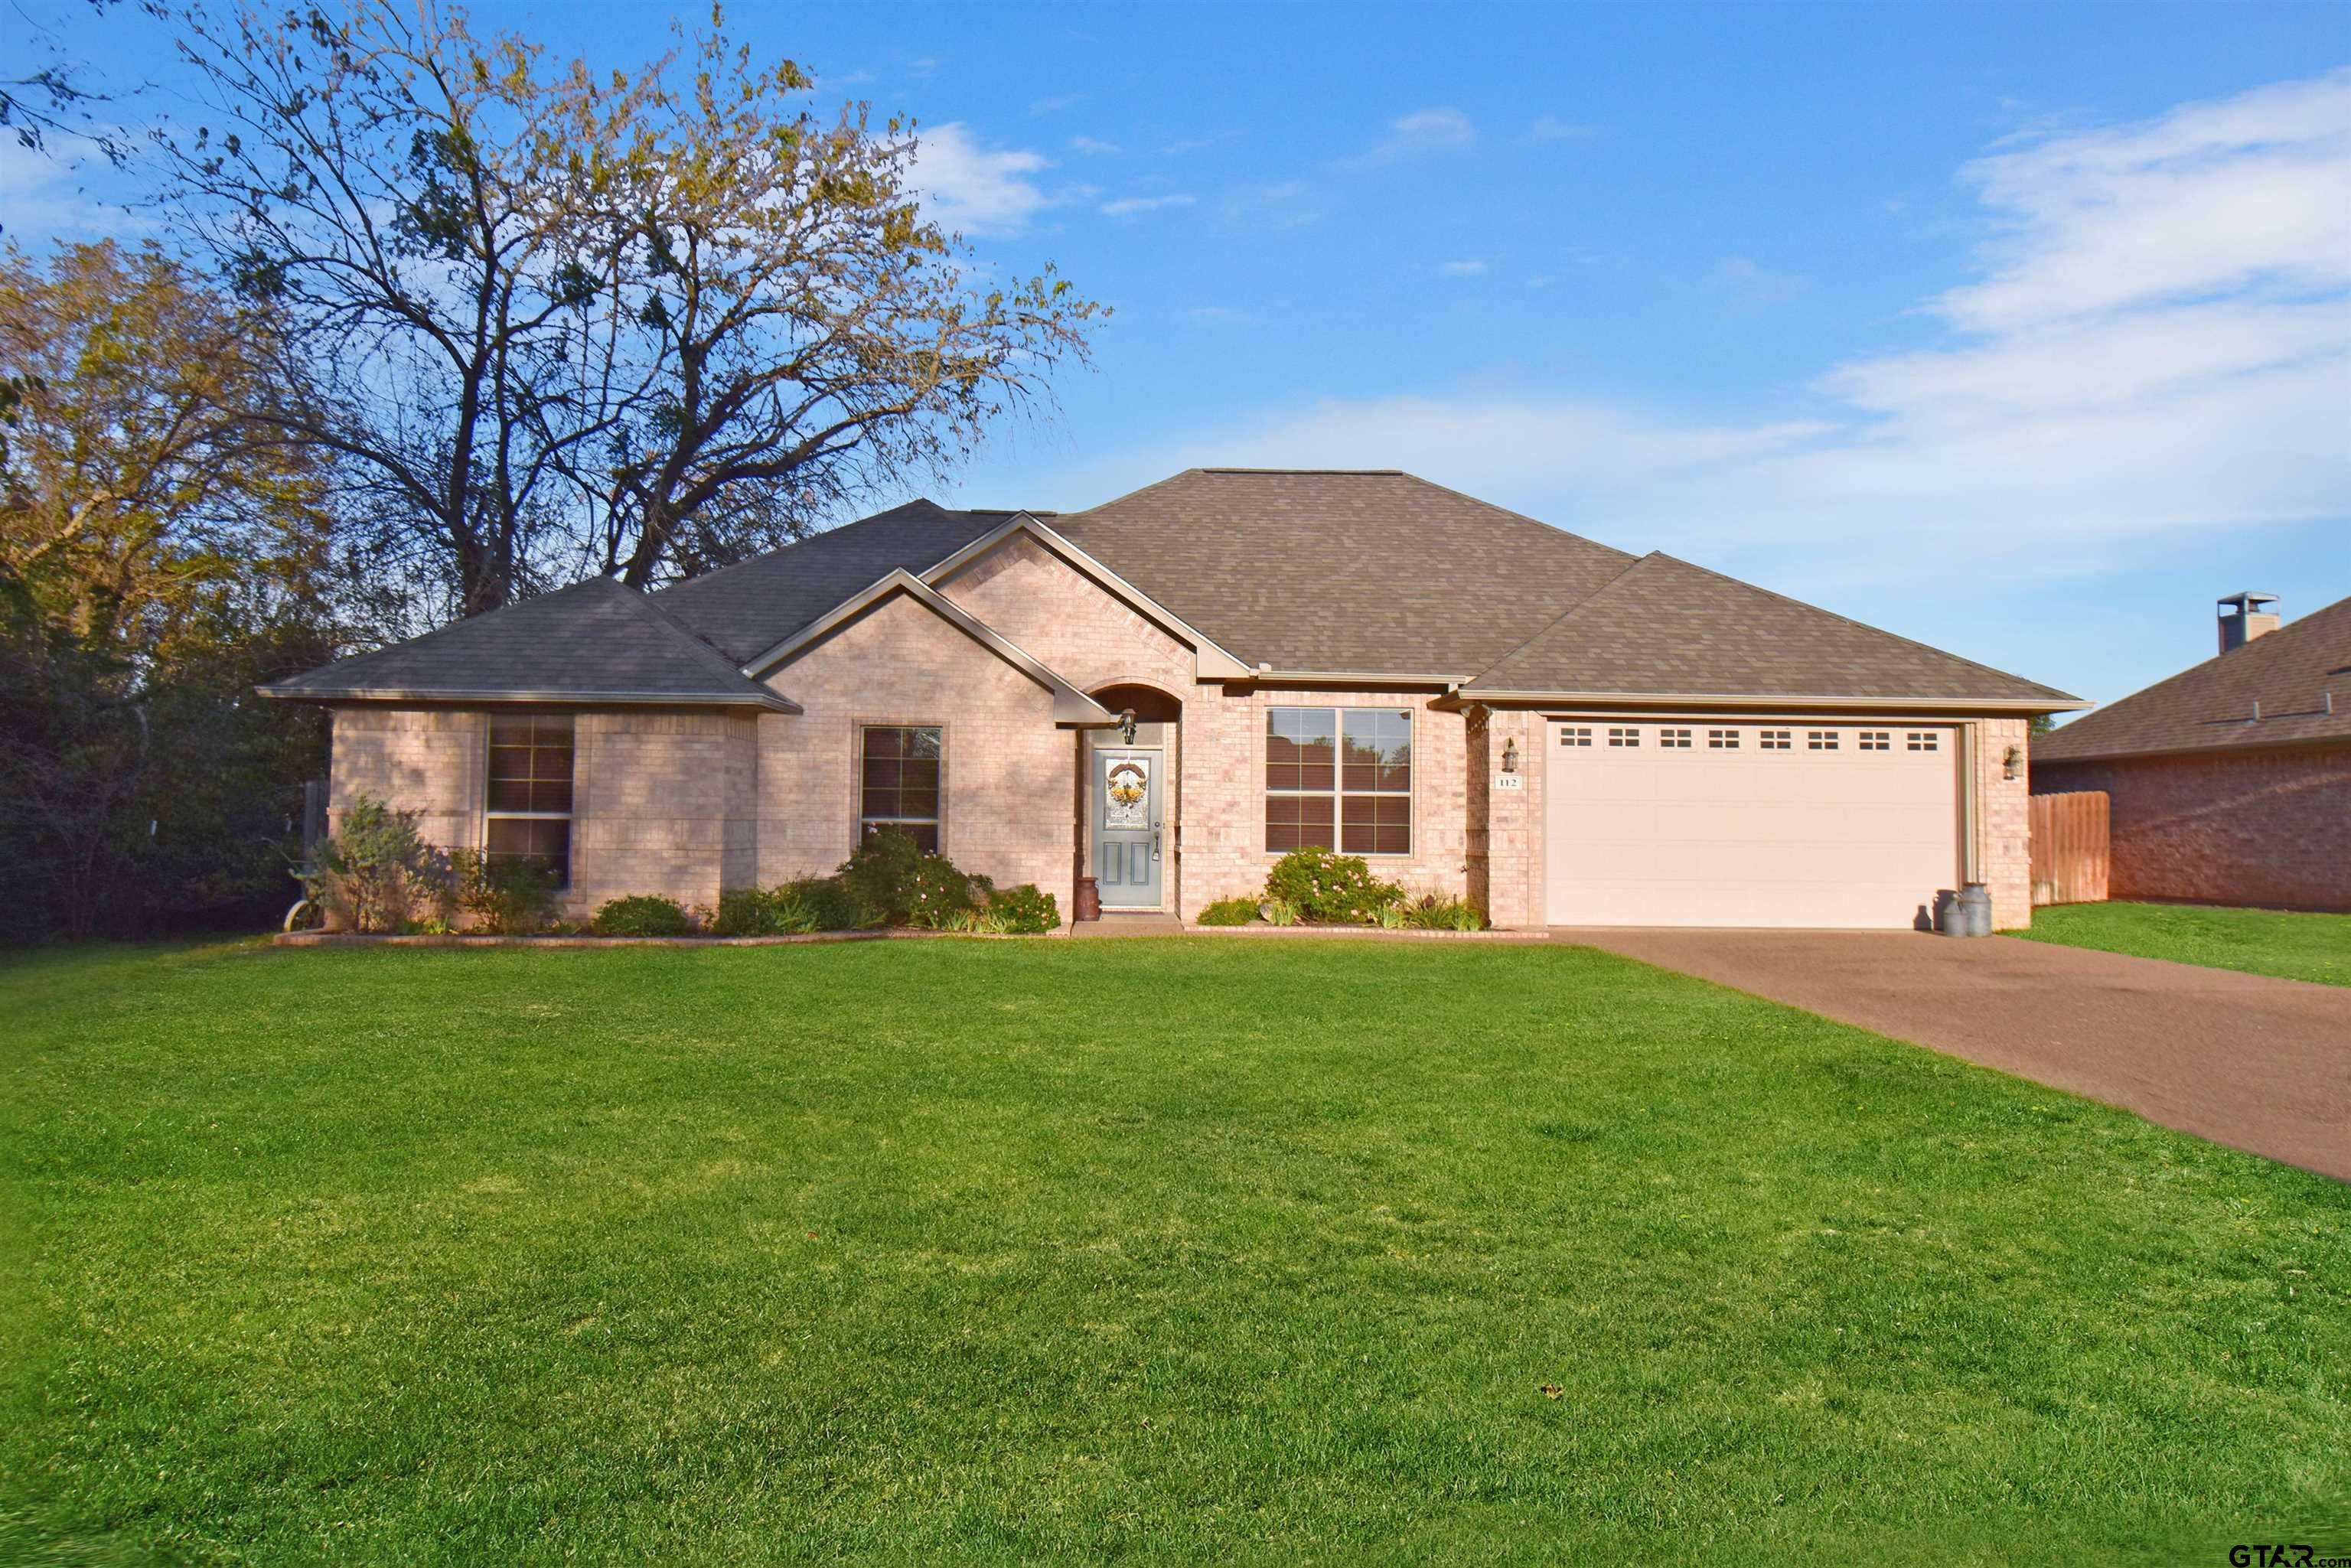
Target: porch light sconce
1126,726
2012,762
1509,756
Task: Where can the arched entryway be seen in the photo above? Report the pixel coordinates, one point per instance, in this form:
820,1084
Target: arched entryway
1129,837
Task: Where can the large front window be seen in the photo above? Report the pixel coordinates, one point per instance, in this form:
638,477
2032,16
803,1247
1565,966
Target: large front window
898,783
530,806
1338,778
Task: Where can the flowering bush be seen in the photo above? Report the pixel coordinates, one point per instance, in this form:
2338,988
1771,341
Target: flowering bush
1329,889
1027,910
908,885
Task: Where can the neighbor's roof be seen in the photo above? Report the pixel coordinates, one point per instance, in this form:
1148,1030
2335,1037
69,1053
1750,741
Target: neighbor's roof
744,610
1666,627
1342,571
2287,672
593,641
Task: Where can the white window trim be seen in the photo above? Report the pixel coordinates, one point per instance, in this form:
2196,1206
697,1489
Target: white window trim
491,814
1338,792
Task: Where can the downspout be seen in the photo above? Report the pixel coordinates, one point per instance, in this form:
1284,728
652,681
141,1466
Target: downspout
1970,806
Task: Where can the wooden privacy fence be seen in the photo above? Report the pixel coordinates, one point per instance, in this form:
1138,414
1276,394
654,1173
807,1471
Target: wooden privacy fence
2069,848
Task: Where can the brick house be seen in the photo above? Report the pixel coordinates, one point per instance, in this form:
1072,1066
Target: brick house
1169,691
2230,782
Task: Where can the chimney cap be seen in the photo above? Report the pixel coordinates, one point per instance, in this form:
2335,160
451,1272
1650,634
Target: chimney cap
2248,603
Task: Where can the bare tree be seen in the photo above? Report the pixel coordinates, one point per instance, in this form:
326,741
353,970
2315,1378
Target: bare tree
794,331
389,188
563,322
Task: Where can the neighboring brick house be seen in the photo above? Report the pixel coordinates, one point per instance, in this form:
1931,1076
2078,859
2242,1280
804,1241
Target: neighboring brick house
2230,782
1169,691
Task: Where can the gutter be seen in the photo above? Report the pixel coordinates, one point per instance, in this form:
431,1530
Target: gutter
769,701
1789,702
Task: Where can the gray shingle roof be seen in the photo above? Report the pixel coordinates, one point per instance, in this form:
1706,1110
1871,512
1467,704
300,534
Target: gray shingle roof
595,640
1666,627
744,610
2209,706
1334,572
1341,572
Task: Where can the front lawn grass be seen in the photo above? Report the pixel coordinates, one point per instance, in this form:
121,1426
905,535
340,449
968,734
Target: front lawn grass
1169,1250
2257,941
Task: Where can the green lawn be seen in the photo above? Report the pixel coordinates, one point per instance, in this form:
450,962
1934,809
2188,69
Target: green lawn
1174,1250
2257,941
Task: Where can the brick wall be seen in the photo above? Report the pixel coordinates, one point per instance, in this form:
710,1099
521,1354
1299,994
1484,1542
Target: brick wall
431,761
2004,822
661,800
1008,773
661,804
2267,828
1058,615
1512,866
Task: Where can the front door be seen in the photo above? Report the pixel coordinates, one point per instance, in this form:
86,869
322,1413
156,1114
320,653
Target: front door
1127,828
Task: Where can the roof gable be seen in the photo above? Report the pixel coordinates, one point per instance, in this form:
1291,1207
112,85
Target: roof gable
2286,677
1664,628
593,641
743,609
1210,662
1071,704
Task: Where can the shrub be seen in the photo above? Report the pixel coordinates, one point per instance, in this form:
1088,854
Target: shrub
895,878
788,909
641,915
375,873
504,896
1330,889
1230,912
1433,912
1027,910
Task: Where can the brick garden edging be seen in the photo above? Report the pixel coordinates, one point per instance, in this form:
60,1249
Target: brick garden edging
1361,932
466,939
895,934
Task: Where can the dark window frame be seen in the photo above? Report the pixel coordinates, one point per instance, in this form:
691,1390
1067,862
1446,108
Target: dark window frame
539,785
862,770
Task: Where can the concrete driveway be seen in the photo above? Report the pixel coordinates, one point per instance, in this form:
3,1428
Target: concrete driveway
2243,1059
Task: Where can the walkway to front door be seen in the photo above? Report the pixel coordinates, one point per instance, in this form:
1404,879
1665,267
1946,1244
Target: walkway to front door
1128,827
2243,1059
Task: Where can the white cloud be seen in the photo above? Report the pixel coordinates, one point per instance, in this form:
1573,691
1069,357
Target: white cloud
44,193
1091,148
1127,207
1283,204
1420,132
1551,128
1462,269
2154,345
970,188
1741,279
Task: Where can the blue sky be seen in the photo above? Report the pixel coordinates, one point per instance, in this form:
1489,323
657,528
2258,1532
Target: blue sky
2022,330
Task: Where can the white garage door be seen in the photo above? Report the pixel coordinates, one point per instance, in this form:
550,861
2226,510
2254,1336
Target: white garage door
1731,823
